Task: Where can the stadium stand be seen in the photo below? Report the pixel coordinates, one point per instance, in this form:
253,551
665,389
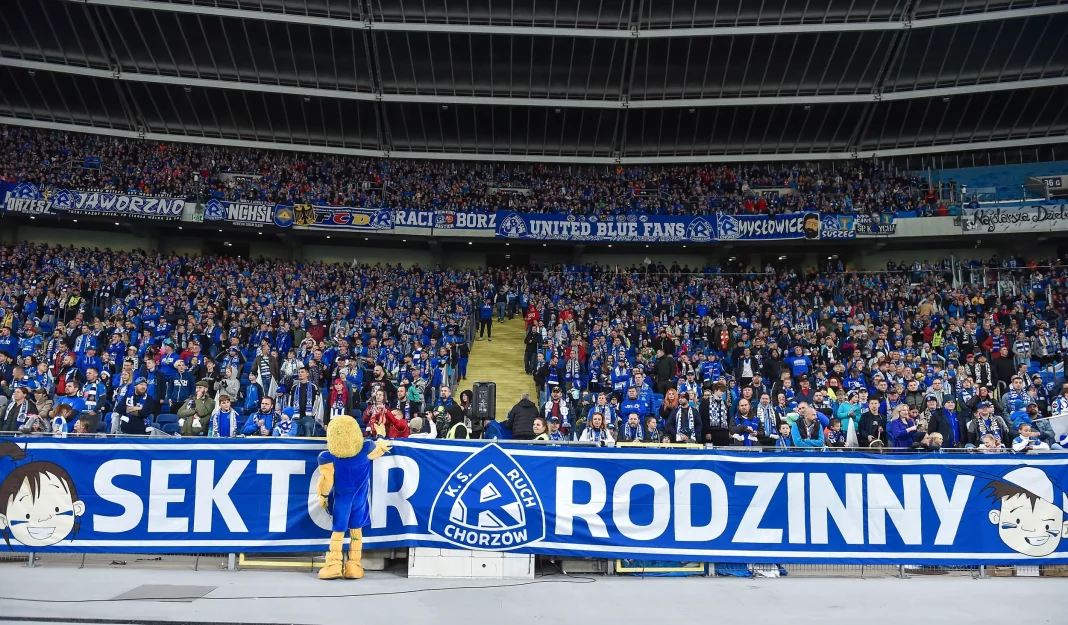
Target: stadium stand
71,160
134,343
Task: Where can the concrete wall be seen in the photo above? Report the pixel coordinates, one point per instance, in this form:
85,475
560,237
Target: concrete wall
118,240
273,250
927,227
182,246
695,261
876,261
369,255
461,258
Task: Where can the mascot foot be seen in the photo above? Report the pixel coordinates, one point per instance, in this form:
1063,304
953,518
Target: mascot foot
353,570
332,569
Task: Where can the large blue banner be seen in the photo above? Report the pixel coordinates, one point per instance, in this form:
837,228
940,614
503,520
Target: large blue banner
254,214
623,228
462,220
342,218
173,496
790,226
30,199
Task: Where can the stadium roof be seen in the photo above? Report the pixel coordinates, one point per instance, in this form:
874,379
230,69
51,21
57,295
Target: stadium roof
597,81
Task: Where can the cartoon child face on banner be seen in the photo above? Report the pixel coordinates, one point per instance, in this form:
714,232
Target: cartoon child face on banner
39,505
1030,512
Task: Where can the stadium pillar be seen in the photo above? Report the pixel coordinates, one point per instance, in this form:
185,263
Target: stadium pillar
8,232
436,257
754,263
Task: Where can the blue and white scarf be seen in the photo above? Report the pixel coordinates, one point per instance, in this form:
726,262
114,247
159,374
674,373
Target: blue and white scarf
689,431
633,434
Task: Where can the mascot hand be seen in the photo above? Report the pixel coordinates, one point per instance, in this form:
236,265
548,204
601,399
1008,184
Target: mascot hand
383,444
380,429
324,502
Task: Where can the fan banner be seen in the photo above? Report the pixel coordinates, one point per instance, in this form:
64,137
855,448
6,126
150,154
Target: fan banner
1051,217
30,199
243,495
612,228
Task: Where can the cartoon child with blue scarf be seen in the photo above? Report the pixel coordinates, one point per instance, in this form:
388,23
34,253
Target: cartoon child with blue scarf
1031,511
39,505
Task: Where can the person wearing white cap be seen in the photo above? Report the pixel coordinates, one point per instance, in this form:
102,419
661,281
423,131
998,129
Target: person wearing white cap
1031,511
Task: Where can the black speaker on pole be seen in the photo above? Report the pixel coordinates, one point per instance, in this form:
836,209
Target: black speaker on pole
485,399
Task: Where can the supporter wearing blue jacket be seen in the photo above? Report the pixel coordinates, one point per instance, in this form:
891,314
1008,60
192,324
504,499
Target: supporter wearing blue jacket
261,422
8,343
799,363
87,360
633,404
807,431
179,387
493,429
901,427
73,398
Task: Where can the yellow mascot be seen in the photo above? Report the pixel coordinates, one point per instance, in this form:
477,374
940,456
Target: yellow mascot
344,482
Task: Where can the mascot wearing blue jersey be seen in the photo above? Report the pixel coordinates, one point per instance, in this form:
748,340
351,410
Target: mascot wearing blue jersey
344,491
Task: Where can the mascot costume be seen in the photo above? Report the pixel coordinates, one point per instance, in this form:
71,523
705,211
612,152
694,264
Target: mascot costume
344,484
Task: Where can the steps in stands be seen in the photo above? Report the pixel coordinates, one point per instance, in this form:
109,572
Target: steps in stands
501,361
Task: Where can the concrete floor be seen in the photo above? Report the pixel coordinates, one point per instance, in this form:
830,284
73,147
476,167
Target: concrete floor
61,594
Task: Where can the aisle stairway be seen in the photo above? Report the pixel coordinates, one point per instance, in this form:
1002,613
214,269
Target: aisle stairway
501,361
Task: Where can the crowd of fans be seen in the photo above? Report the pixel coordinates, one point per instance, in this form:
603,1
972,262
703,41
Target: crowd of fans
900,358
82,161
98,341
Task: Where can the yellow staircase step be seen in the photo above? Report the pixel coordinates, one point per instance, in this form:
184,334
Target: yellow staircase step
501,361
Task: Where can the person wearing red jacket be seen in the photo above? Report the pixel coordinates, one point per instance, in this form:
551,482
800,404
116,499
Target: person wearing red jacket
381,421
532,316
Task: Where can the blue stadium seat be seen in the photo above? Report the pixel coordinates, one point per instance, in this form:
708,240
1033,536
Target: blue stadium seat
171,428
166,418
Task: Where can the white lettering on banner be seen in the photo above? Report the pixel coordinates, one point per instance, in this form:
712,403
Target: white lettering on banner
104,485
749,530
823,507
824,501
622,504
211,494
566,508
280,472
949,509
256,213
476,220
658,230
413,219
883,502
382,499
319,516
795,508
485,539
25,205
685,480
160,495
522,488
769,227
